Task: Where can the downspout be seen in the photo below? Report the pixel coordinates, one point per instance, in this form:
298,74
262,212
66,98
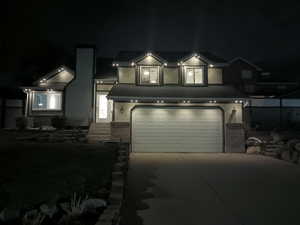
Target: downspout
280,113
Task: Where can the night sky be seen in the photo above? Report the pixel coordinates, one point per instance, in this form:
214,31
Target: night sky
256,30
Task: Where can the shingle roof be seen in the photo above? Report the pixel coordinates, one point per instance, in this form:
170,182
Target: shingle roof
125,91
126,56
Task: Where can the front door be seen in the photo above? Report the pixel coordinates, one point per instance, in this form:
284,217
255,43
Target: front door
104,108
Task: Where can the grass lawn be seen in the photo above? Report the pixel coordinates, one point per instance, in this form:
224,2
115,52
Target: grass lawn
32,173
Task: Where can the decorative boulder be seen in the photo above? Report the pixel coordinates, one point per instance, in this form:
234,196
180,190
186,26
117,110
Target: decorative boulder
253,150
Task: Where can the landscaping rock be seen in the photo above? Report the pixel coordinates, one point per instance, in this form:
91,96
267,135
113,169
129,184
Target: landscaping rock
253,150
9,214
90,205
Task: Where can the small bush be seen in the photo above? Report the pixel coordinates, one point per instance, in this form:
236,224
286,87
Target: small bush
58,122
21,123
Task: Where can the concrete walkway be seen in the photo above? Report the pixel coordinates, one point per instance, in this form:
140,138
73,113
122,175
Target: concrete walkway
211,189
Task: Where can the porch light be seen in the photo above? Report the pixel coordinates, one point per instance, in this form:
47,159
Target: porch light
131,101
165,64
157,101
136,101
101,81
132,64
113,64
162,101
241,101
188,101
236,101
178,64
184,101
196,55
211,65
117,64
149,54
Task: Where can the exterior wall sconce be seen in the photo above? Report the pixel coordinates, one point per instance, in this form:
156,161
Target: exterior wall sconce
212,101
165,64
122,110
149,54
132,64
211,65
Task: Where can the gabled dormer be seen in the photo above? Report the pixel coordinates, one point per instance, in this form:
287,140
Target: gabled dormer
168,68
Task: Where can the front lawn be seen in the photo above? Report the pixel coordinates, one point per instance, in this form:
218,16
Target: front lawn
33,173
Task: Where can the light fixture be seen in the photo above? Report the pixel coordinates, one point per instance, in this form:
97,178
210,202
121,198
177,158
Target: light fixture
236,101
211,65
97,82
131,101
241,101
157,101
136,101
117,64
101,81
132,64
113,64
184,101
149,54
165,64
196,55
188,101
162,101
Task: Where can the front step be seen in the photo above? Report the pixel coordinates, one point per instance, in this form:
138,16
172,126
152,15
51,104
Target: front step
99,132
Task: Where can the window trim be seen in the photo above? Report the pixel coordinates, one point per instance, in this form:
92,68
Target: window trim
46,110
184,69
149,84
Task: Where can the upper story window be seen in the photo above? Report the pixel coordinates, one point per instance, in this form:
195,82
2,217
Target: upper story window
149,75
44,100
194,75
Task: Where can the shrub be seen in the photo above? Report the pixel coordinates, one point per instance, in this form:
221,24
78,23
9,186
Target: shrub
58,122
21,123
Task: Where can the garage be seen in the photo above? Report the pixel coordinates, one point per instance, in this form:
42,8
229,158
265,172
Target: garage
177,129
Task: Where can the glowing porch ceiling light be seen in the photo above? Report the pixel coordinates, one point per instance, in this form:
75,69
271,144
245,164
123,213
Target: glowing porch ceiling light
165,64
236,101
211,65
132,64
149,54
241,101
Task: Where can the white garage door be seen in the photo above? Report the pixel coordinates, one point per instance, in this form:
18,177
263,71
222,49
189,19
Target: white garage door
177,129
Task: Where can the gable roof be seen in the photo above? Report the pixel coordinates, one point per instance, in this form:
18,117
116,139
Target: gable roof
169,56
54,73
245,61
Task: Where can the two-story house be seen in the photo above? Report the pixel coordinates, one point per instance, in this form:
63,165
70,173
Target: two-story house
157,101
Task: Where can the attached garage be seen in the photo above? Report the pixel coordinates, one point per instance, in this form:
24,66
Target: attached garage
177,129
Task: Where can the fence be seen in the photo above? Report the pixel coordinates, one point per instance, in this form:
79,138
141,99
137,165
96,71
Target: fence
266,114
10,109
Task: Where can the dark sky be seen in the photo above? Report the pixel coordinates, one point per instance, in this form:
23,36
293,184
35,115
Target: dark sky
257,30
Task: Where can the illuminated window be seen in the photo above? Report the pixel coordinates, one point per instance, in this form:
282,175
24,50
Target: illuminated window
103,107
44,100
194,75
149,75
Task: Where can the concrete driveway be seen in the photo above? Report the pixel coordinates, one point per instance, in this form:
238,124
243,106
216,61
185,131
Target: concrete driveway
211,189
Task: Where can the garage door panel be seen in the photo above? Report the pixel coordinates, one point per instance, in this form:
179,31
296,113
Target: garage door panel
177,130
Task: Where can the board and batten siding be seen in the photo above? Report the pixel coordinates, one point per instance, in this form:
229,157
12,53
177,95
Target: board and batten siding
126,75
171,75
122,110
193,61
149,60
215,76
